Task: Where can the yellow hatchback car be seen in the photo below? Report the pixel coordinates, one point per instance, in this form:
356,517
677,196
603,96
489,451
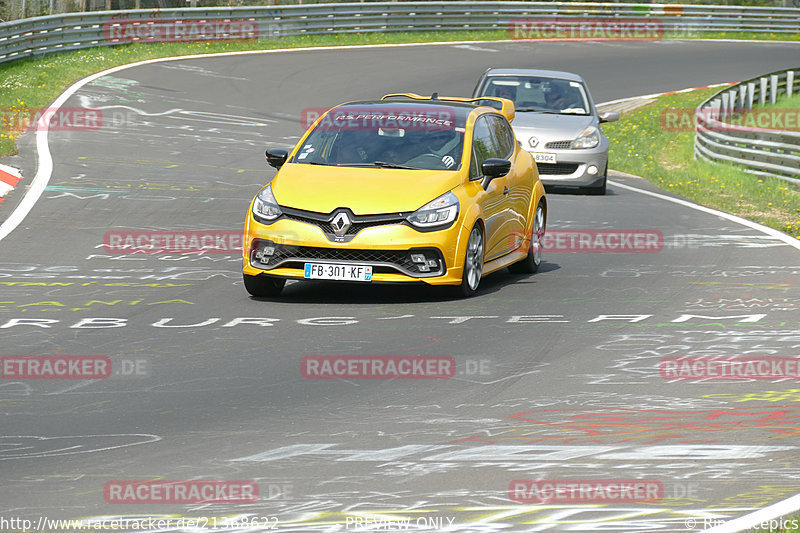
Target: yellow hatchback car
405,189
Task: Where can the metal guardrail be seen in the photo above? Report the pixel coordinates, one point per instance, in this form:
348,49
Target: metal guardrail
728,128
40,35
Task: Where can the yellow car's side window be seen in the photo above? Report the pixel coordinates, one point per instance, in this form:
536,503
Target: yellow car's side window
482,146
503,135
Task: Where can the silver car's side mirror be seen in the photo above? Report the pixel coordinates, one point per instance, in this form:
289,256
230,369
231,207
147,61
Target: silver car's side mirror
609,116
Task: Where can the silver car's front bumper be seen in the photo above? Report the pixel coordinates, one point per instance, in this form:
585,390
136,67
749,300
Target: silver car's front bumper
575,168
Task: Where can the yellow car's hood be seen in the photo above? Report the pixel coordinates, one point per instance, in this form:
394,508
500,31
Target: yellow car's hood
364,191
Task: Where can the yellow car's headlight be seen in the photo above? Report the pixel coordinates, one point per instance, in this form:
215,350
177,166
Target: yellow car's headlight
265,206
437,213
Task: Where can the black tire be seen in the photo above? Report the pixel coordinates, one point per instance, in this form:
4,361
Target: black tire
473,264
531,263
599,190
263,286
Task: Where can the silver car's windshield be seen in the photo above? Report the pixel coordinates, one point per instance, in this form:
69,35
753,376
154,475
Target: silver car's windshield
544,95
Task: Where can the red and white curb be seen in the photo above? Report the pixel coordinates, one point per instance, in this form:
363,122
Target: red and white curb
657,95
9,177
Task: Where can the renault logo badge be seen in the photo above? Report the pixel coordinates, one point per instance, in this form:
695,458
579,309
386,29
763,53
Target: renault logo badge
341,223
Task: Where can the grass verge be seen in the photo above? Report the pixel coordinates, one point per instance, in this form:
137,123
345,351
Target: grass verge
642,143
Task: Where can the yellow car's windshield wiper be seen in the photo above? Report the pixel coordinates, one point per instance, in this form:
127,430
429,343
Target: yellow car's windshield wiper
381,164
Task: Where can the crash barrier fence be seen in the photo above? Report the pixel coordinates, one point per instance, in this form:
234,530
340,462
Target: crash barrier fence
39,35
741,125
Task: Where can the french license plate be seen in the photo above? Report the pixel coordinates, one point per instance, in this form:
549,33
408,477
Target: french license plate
544,157
338,272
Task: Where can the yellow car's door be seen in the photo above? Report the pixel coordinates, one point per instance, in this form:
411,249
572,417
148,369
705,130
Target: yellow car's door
498,209
518,179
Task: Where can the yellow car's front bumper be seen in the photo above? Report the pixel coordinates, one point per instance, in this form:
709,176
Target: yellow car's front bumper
379,246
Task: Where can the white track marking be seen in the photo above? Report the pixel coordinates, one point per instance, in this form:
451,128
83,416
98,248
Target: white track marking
733,218
754,519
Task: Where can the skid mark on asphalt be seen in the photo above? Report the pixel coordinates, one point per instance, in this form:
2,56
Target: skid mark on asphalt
26,447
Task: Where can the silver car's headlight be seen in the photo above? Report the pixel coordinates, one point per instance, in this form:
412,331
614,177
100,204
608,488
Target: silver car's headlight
265,206
439,212
589,138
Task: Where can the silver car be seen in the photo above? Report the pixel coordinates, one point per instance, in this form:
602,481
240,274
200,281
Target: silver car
556,122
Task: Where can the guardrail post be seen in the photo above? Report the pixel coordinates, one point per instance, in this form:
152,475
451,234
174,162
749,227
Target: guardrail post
734,101
715,107
724,106
789,83
773,95
742,96
762,97
751,92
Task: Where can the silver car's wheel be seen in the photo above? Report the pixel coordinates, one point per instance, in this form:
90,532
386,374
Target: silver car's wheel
473,263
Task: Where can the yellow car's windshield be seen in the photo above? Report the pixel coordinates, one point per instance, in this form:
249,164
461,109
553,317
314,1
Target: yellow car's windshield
387,135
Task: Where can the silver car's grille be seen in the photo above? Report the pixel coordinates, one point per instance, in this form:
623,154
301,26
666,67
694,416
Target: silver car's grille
556,169
558,145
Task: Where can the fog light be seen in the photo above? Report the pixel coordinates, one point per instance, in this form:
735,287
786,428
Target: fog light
423,268
433,263
417,258
264,252
592,170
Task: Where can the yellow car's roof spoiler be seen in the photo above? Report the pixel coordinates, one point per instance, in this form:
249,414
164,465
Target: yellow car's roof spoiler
504,105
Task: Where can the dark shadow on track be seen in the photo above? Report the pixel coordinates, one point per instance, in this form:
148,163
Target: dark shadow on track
306,291
575,191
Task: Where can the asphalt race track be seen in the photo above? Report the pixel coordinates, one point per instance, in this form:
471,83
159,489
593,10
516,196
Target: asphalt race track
557,374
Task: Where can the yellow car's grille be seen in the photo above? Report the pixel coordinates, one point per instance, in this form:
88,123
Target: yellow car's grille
354,228
290,256
324,221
